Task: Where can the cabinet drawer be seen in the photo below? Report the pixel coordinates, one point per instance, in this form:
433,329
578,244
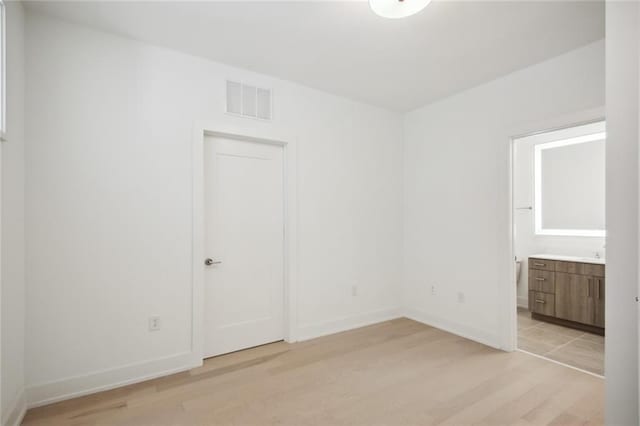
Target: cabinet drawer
569,267
542,264
593,269
580,268
542,303
544,281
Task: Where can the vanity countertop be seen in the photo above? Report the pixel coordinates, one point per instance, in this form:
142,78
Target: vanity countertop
595,260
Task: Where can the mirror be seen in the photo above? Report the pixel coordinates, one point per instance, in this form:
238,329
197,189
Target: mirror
570,184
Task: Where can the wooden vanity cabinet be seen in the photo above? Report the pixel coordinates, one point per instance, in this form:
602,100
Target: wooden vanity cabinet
574,298
569,293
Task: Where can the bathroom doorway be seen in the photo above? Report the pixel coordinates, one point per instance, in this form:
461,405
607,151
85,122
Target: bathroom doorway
559,244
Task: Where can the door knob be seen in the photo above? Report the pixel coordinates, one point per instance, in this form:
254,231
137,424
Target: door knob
208,261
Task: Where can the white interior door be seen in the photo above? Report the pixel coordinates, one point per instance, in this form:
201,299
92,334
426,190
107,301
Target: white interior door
244,226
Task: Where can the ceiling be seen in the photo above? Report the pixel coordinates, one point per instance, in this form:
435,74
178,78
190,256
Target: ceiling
343,48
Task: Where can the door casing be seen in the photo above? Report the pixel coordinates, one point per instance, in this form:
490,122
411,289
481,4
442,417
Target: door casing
256,135
508,300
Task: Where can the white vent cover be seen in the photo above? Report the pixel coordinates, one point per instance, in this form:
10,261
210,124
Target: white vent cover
249,101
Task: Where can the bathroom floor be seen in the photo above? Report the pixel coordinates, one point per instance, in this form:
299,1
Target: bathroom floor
562,344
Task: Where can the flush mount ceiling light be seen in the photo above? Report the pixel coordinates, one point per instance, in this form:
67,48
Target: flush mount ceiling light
397,8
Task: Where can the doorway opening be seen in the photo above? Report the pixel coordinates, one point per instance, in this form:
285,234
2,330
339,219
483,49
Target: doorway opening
558,183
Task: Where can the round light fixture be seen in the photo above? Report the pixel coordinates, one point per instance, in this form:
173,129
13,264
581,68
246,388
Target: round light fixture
397,8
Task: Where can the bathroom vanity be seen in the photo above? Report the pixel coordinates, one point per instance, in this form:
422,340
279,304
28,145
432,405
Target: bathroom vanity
568,290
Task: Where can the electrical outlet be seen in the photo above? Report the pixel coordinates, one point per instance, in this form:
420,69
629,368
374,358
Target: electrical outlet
460,297
354,290
433,290
154,323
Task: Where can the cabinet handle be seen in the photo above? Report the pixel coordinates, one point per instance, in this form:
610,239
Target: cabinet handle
539,264
540,279
589,287
540,301
598,288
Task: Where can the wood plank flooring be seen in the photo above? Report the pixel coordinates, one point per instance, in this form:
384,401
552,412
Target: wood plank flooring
567,345
398,372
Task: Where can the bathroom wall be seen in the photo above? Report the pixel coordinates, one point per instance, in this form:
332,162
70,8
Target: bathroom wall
527,243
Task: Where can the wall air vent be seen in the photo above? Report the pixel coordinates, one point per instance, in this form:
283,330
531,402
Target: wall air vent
249,101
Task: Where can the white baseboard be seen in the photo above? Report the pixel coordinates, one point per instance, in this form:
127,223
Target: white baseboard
523,302
47,393
73,387
16,413
477,335
311,331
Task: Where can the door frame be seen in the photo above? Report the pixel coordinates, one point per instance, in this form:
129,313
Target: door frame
289,148
510,295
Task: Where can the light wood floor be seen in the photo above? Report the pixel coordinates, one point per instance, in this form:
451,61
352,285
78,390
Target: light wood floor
566,345
398,372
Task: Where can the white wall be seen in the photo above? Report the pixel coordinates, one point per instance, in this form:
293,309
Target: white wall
457,184
108,203
108,199
621,341
526,242
12,260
